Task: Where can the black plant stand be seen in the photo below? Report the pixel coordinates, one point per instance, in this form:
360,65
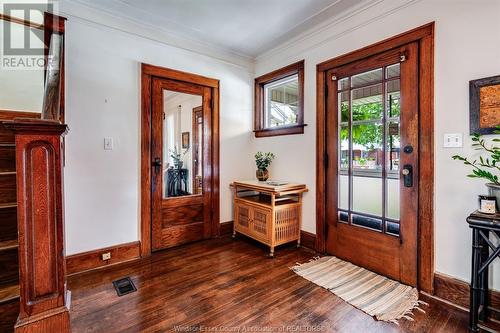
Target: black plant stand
482,226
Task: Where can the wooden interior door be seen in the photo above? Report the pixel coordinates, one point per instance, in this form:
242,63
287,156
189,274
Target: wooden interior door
181,213
372,190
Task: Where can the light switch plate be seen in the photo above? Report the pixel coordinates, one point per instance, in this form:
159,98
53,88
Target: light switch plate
108,143
453,140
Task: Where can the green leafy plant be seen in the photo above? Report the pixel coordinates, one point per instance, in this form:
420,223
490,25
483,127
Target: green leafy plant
177,155
263,160
486,167
367,135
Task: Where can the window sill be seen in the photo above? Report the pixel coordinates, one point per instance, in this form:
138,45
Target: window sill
283,130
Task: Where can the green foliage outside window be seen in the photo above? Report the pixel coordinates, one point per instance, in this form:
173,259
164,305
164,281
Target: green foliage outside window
367,135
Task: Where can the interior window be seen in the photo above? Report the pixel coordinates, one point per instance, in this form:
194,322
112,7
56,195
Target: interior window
282,102
279,101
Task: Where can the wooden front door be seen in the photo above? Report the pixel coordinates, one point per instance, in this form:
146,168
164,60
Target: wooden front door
181,211
372,190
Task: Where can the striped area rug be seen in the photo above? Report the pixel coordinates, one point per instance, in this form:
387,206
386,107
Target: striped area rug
377,295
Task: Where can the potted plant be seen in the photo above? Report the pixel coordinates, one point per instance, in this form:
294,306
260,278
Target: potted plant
263,161
177,156
487,167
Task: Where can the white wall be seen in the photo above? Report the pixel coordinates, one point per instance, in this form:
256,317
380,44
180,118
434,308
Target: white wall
21,88
467,47
102,189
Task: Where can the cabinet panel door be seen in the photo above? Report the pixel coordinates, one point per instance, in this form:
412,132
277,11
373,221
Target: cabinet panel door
242,217
261,223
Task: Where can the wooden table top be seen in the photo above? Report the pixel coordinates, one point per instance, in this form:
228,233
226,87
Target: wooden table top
271,186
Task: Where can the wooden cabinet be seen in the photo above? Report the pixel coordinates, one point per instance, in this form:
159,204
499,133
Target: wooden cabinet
268,212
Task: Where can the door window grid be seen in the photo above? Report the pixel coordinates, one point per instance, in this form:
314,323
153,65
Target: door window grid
389,87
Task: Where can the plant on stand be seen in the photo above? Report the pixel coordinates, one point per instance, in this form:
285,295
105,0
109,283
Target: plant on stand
177,156
487,167
263,160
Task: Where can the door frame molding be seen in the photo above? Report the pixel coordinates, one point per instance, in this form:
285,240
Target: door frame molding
424,36
148,72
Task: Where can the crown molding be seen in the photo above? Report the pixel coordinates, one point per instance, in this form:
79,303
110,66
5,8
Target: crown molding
320,30
75,9
332,28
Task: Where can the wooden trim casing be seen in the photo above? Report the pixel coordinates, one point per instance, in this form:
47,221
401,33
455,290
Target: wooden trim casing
259,129
91,260
424,35
173,74
148,72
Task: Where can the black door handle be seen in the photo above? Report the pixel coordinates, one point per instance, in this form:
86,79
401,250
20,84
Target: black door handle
157,162
407,175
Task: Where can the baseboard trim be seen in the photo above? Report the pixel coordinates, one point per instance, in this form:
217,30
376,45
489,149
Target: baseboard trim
86,261
308,239
226,228
457,292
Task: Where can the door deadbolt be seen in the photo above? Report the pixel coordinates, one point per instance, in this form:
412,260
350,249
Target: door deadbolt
407,175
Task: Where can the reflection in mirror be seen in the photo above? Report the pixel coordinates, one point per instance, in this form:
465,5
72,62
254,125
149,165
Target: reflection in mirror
182,144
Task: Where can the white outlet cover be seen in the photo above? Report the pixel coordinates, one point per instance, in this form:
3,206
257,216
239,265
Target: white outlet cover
453,140
108,143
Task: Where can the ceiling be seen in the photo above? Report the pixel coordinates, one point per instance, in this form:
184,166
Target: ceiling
245,27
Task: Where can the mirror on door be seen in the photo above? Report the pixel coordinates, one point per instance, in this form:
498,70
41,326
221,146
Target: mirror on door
182,144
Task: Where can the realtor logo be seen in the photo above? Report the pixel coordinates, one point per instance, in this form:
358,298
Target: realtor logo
23,45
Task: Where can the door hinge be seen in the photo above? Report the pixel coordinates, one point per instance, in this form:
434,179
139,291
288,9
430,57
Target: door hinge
325,161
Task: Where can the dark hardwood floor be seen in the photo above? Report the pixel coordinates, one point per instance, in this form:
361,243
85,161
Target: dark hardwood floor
228,284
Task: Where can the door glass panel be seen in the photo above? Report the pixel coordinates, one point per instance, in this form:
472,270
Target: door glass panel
367,195
367,103
392,71
392,228
343,84
369,144
366,78
343,196
367,168
367,148
182,148
344,192
344,106
392,167
343,217
367,222
393,104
